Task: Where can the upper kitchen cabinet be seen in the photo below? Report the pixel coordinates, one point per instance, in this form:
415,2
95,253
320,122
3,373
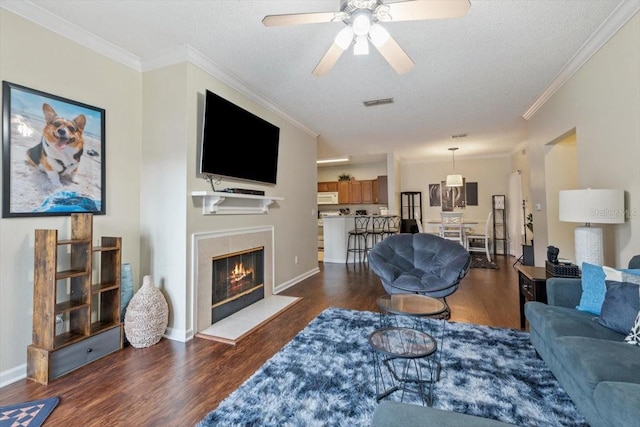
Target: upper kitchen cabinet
344,192
355,189
367,191
381,190
331,186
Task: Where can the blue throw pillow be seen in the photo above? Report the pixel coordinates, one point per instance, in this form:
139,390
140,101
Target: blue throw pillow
593,288
621,306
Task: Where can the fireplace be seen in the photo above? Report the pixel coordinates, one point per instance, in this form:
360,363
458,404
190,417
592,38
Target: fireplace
237,281
219,244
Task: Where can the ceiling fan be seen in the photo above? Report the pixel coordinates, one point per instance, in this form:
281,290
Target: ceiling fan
362,19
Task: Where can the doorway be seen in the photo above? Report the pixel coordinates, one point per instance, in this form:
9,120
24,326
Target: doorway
561,173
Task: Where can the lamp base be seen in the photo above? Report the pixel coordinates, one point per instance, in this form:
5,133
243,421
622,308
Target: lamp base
588,241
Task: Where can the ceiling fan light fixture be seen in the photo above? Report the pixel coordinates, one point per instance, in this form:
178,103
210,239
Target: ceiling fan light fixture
378,35
361,46
344,38
361,23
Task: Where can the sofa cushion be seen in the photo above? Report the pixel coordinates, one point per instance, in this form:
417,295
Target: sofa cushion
590,361
618,402
551,322
634,335
620,307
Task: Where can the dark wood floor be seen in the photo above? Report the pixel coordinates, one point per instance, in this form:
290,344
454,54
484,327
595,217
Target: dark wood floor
177,384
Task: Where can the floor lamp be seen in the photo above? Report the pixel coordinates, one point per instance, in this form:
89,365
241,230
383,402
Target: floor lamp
591,206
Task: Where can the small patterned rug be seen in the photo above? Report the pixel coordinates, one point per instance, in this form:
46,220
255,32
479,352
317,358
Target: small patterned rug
481,261
325,377
27,414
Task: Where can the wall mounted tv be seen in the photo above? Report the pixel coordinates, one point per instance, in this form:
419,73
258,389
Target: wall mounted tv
237,144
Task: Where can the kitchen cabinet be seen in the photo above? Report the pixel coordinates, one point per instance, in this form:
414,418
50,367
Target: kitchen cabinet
331,186
344,192
355,192
381,190
367,191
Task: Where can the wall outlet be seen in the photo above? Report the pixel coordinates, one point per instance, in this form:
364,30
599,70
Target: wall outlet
295,259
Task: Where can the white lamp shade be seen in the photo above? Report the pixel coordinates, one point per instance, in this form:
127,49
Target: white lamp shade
454,181
592,206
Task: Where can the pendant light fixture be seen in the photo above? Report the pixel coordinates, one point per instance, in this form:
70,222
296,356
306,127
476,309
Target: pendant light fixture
454,180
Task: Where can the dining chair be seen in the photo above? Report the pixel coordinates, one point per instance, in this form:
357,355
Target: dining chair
479,242
452,227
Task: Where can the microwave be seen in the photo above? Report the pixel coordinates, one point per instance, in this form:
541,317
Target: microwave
328,198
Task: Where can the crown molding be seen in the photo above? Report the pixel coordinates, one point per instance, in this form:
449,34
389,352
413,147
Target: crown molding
69,30
172,56
186,53
625,11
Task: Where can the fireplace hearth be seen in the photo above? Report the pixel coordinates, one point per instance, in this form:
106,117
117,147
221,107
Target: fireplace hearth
237,281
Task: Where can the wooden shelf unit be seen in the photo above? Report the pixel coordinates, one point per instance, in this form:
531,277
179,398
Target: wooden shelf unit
75,321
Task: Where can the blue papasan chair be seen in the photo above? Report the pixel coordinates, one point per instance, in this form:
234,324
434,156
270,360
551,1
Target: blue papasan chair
420,263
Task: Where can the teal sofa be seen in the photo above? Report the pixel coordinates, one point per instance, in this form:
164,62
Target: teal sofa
597,369
395,414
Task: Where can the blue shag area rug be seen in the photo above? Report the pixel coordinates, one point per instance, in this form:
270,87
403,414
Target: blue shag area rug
325,377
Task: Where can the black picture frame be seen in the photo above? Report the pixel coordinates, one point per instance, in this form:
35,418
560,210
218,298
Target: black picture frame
57,174
472,193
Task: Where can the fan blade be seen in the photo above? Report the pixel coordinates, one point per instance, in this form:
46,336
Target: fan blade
298,18
395,56
413,10
328,60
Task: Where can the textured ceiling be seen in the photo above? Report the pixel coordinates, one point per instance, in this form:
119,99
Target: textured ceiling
475,75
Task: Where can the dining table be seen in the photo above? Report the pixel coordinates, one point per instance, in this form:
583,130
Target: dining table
467,225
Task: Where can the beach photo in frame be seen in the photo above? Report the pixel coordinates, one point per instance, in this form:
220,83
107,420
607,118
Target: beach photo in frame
53,154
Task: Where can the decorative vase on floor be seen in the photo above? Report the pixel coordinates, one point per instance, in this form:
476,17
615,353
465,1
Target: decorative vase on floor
147,315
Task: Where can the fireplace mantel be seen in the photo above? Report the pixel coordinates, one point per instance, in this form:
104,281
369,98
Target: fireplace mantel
219,203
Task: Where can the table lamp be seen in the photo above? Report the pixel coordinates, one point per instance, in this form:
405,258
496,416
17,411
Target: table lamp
591,206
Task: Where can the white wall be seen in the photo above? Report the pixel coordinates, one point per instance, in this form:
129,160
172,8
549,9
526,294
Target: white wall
151,145
169,215
561,166
602,102
27,55
491,174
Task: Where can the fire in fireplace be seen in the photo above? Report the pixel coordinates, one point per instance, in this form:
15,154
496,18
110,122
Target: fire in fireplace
237,282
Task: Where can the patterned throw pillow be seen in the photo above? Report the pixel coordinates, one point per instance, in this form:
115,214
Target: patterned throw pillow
634,335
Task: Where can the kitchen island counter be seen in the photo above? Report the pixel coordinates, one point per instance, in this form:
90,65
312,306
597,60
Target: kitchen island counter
336,234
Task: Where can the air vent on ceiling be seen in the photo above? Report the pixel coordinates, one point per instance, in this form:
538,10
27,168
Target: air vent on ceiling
459,136
375,102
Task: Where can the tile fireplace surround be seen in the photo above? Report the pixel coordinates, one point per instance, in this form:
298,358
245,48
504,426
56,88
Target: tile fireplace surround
217,243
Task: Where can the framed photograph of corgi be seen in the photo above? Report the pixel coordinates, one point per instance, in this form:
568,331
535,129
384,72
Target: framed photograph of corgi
53,154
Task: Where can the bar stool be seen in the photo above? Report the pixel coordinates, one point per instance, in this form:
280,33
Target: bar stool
375,232
393,225
357,240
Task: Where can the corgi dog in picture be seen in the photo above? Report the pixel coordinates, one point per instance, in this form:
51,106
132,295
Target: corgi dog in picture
60,149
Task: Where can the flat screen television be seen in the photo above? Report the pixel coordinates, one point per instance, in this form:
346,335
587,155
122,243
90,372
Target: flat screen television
237,144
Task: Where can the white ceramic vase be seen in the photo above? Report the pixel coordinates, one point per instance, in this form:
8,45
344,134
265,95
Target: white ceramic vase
147,315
